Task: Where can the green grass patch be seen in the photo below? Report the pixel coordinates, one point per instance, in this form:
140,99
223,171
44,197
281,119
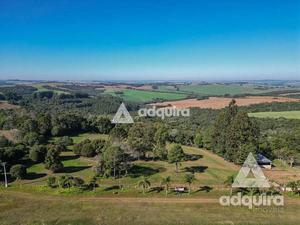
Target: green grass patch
275,115
91,136
221,89
147,96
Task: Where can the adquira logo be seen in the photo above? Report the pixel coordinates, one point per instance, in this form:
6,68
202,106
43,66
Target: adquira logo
258,180
122,115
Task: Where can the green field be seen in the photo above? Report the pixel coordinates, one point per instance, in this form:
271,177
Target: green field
147,96
209,169
90,136
221,89
282,114
41,87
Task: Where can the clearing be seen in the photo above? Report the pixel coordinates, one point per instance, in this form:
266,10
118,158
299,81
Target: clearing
6,105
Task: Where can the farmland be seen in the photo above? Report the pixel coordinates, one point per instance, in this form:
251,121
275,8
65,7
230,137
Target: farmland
221,102
146,96
282,114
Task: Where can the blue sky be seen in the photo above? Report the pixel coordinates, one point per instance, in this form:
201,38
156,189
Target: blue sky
144,40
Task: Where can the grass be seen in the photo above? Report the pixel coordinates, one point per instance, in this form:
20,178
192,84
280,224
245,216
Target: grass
282,114
221,89
209,169
32,203
91,136
33,209
41,87
147,96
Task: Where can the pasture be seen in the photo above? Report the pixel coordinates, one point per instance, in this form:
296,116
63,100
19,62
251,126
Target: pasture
145,96
36,209
221,102
275,115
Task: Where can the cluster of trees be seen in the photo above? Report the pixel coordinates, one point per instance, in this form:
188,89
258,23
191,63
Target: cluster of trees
67,181
234,135
89,148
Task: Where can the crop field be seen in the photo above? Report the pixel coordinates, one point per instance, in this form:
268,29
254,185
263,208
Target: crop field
220,102
147,96
282,114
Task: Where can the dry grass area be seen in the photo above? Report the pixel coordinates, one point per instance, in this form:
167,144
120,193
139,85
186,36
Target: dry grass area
9,134
220,102
6,105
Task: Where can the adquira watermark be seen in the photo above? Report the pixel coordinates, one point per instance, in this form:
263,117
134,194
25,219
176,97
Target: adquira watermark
123,116
258,181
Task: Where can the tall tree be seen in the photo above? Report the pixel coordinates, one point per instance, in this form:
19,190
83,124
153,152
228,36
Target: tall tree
176,155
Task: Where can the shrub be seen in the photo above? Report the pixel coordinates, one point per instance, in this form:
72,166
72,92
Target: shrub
37,153
52,160
51,182
18,171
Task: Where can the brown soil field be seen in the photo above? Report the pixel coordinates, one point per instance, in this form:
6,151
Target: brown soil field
5,105
220,102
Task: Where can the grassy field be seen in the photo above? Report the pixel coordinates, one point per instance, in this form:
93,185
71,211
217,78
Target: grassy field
34,209
90,136
283,114
41,87
209,169
147,96
221,89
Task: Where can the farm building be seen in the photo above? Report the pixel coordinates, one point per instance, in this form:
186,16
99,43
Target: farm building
264,162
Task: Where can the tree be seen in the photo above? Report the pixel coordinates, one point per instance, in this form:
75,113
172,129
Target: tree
64,141
229,181
189,178
165,182
176,155
112,160
144,183
102,125
140,138
160,138
51,181
18,171
3,141
234,134
37,153
52,160
32,138
198,140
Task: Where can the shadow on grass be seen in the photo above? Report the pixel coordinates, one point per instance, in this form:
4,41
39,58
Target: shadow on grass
192,157
68,157
33,176
204,189
73,169
112,188
137,171
155,189
195,169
